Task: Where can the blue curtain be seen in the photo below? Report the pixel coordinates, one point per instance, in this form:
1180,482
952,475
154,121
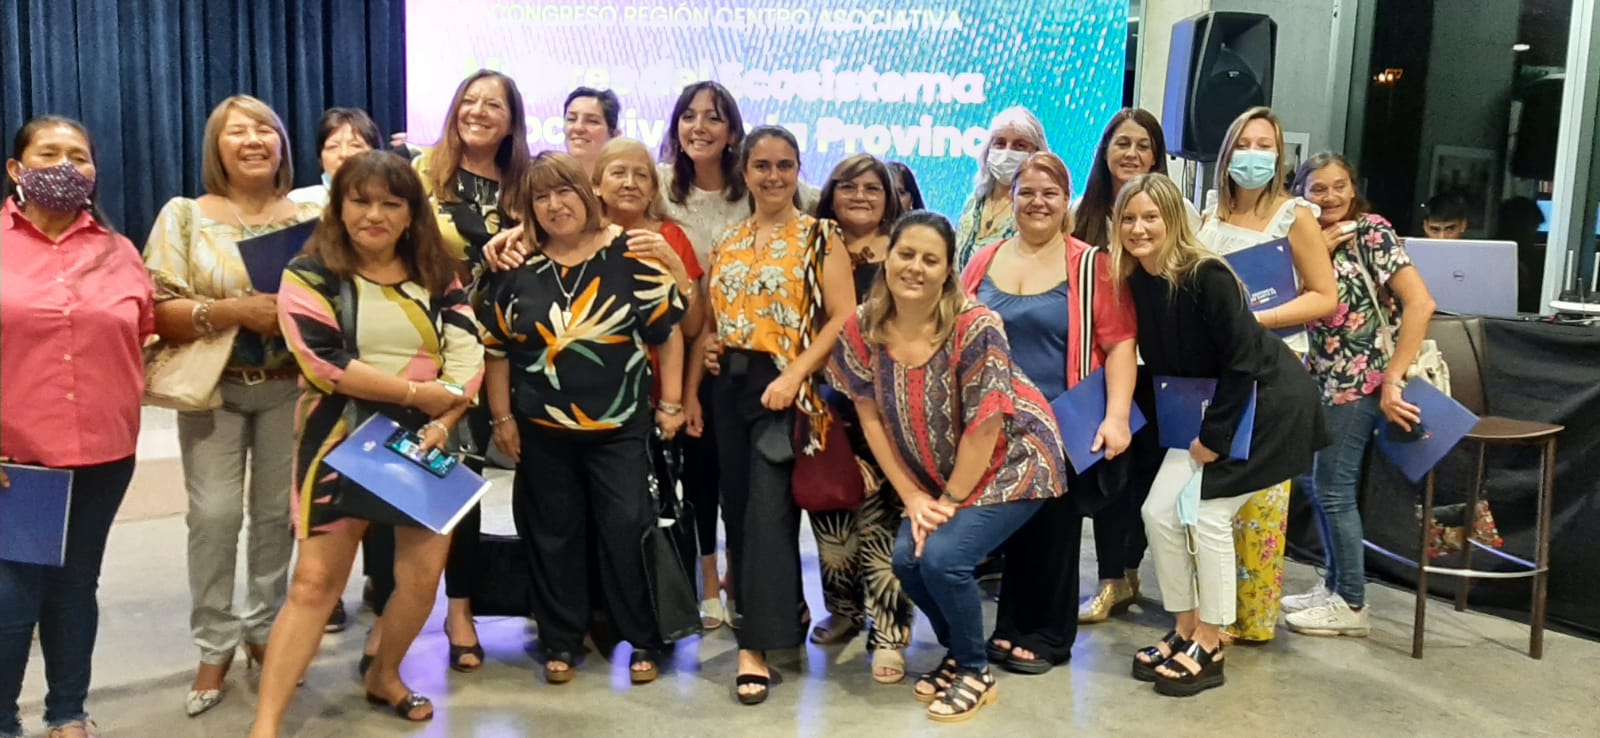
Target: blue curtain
143,75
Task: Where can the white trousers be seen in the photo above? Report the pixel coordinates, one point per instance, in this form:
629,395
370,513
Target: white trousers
1205,580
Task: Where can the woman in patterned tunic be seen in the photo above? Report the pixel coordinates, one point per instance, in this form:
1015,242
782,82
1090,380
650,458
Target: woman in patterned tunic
411,352
970,445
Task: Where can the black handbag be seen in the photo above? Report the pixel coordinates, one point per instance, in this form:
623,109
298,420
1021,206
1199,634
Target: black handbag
503,586
669,549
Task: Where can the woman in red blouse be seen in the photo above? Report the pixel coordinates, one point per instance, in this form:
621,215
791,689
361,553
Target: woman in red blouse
75,310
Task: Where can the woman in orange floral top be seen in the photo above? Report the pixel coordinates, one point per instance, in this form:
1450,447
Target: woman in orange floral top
779,291
570,330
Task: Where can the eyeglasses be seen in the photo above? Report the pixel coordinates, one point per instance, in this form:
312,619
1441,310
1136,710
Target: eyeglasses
851,189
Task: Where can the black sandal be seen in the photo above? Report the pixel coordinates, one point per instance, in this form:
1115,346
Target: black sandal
940,679
643,676
752,698
407,705
1145,670
996,654
963,699
1191,683
365,664
1034,665
561,676
459,652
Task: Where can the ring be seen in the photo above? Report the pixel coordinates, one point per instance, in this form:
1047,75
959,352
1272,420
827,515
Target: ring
920,518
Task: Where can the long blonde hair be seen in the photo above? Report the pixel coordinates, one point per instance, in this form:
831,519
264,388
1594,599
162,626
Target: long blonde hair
1227,194
878,309
1181,253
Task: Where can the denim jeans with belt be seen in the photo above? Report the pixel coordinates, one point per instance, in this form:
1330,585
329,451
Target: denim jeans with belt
60,602
1336,482
941,582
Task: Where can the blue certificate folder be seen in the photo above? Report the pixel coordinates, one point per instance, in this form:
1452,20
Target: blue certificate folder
1080,411
1181,404
1267,271
33,515
1444,423
393,484
266,256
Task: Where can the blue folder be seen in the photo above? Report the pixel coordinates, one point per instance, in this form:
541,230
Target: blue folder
391,483
1444,423
1267,271
33,515
1080,411
1181,404
266,256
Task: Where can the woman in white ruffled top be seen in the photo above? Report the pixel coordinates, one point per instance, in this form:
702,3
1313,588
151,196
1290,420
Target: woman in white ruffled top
1253,207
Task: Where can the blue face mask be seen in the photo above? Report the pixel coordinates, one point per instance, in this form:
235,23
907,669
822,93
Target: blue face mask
1253,170
327,180
1189,499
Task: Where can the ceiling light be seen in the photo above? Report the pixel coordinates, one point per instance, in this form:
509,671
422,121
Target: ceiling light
1520,47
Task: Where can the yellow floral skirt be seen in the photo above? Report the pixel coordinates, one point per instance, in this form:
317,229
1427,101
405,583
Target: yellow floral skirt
1259,532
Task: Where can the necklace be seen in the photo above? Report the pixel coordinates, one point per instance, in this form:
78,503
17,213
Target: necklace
248,230
566,294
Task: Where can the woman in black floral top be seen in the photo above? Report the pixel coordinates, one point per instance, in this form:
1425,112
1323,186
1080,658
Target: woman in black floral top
568,382
1359,356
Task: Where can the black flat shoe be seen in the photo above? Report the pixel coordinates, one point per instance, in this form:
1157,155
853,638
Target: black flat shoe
338,620
752,698
1190,683
407,705
1027,666
1145,670
459,652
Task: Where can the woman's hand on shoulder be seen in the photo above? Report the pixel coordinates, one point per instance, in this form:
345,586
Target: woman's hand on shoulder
508,250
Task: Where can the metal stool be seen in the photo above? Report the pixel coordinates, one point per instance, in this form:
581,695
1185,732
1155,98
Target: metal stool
1460,340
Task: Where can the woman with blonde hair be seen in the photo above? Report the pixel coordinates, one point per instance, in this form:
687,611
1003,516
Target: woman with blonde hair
202,289
1194,321
1253,207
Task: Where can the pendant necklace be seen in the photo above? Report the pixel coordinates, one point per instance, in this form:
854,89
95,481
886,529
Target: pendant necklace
566,312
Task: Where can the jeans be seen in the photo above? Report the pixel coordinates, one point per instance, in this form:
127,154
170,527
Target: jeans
1336,480
941,582
60,602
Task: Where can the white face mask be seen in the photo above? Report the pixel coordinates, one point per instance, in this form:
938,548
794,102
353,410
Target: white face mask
1004,163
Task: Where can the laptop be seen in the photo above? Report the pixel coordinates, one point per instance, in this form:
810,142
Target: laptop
1468,277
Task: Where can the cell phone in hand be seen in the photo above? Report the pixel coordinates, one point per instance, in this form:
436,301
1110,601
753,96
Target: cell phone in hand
409,445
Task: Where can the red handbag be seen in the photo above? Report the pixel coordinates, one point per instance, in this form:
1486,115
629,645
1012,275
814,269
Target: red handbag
831,478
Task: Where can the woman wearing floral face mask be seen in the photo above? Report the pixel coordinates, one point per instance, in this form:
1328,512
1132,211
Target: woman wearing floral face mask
1254,207
987,217
74,294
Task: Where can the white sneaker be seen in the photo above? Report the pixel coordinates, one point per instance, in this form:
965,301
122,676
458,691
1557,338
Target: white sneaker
1334,618
1316,597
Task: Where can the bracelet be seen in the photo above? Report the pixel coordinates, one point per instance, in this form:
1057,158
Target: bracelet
951,500
502,420
1401,383
435,424
411,394
200,316
669,408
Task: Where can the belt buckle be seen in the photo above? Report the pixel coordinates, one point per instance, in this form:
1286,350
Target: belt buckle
253,377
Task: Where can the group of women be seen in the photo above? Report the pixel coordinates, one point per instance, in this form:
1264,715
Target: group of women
583,311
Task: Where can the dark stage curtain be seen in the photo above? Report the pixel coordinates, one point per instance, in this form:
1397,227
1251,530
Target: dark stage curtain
1534,371
143,75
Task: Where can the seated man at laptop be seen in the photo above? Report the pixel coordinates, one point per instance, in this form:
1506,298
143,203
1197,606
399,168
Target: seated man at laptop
1445,216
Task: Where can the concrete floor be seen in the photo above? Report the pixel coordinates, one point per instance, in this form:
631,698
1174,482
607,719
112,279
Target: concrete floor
1476,680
